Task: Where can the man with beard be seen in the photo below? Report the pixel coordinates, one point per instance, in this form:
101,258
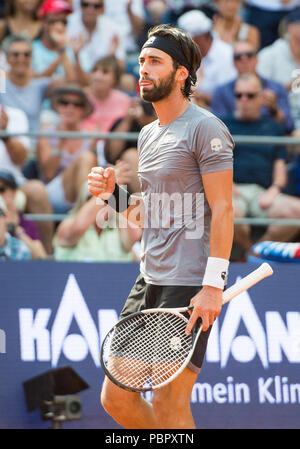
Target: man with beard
185,159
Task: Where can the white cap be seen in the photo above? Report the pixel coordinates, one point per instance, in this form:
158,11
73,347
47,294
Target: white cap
194,23
3,207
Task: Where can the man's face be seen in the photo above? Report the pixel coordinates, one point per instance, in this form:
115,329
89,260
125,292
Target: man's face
19,57
249,99
245,58
204,42
157,75
55,22
90,10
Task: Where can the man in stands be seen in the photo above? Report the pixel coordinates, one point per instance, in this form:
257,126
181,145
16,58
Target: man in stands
274,95
260,172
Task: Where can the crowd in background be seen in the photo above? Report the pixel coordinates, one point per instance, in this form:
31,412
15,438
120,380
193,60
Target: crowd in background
72,66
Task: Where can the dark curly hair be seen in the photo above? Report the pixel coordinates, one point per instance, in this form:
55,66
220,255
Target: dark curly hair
189,48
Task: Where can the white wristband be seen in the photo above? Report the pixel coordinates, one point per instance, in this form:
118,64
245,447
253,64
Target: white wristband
216,272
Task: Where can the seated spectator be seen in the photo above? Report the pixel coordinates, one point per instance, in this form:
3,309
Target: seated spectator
229,25
17,225
275,105
23,90
51,52
21,17
139,115
88,27
32,195
94,234
65,163
266,15
259,170
108,101
280,62
11,248
217,63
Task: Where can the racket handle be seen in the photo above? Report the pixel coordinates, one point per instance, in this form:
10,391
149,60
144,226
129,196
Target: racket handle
243,284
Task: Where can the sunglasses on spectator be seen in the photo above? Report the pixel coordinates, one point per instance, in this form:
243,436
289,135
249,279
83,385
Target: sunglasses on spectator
92,5
52,21
249,95
3,189
65,102
16,54
2,213
247,54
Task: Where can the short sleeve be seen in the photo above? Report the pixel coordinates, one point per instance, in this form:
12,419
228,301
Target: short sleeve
18,122
213,146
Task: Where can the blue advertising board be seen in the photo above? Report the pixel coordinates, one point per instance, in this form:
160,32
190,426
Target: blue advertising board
57,314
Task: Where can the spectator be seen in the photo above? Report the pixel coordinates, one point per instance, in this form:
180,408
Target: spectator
109,103
88,27
32,195
259,170
275,105
281,60
51,52
10,247
23,90
17,225
229,25
65,163
21,17
129,16
217,64
87,235
139,115
266,15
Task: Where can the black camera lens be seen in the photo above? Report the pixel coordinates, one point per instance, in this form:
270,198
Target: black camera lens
74,407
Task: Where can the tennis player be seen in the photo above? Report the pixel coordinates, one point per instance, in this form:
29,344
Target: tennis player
185,161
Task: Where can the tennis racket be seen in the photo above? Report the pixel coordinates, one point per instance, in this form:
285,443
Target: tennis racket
148,349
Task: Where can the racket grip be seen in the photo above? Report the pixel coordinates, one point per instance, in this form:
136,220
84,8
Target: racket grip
264,270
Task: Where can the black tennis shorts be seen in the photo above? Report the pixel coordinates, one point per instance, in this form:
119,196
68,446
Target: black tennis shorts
147,296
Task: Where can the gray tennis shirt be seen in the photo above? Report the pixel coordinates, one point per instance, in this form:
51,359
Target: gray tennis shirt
172,158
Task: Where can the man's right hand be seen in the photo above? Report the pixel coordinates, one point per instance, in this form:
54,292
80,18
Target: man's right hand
101,182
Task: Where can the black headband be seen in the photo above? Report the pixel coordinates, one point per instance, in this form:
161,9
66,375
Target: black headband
169,46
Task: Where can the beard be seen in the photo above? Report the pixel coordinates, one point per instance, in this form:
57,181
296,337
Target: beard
160,89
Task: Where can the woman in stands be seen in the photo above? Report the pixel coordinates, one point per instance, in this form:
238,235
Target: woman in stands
65,163
230,26
21,17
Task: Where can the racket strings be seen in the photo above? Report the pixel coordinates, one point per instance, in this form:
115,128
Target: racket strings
147,349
